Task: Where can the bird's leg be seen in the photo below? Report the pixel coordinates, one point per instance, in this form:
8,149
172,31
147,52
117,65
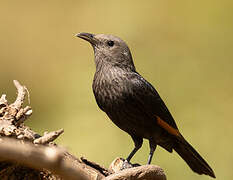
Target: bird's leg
152,150
137,145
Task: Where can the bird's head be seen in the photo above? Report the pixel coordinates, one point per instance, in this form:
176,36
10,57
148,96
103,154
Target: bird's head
109,49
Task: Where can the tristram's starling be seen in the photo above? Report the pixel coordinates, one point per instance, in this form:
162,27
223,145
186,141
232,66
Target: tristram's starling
133,104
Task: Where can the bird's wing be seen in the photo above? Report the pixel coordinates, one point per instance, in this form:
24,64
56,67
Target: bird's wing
152,103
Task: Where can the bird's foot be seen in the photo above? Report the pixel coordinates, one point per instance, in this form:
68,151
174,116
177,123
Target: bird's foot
126,164
120,164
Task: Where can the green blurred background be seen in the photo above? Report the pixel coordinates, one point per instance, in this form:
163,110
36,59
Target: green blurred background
184,48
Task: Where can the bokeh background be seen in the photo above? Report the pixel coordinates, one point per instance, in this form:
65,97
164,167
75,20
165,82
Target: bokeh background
184,48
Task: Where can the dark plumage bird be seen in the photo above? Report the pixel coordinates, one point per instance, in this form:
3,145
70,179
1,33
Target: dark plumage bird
133,104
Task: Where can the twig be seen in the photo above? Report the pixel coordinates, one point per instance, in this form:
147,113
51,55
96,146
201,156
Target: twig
48,137
20,97
96,166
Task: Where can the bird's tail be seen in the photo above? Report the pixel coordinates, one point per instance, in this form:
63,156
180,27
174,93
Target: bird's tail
192,158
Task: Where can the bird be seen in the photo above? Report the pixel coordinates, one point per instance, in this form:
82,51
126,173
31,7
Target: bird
133,104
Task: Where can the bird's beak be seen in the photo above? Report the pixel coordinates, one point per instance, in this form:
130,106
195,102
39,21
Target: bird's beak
88,37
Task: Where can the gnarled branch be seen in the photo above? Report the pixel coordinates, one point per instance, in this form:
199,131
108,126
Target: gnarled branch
24,154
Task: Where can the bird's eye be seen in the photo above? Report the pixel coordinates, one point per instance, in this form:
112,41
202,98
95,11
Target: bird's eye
110,43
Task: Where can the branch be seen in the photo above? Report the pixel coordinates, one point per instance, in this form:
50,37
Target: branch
123,170
28,155
148,172
40,157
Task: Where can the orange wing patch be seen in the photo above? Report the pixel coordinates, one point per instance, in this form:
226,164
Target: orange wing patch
167,127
